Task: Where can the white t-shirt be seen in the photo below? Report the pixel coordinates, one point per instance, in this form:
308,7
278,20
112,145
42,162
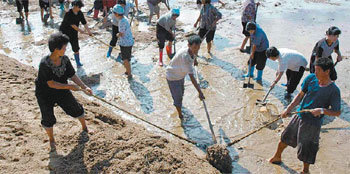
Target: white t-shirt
180,66
290,59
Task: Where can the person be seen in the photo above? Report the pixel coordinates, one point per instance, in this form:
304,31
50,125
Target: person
325,48
208,18
115,29
321,95
258,51
107,5
165,31
23,4
44,4
248,15
70,27
52,87
199,3
179,67
98,6
126,40
154,8
137,6
291,61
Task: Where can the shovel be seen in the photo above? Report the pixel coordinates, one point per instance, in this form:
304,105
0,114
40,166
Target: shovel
263,102
90,11
207,113
19,20
249,85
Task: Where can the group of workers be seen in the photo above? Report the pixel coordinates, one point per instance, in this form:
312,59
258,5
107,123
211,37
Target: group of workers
319,91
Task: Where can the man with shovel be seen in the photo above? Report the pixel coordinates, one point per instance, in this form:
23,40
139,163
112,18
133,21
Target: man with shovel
165,28
260,43
179,67
291,61
321,95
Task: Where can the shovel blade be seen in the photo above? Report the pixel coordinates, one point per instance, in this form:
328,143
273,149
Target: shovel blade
248,85
19,20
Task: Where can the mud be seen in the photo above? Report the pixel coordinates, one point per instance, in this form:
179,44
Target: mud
295,24
219,157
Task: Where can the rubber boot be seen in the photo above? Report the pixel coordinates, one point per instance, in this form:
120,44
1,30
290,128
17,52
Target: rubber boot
251,73
259,77
62,6
77,60
160,58
168,50
95,14
109,52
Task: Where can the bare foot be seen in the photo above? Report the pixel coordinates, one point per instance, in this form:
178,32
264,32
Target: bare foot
275,160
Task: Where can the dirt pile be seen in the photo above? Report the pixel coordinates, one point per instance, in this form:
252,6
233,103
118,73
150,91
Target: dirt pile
219,157
112,146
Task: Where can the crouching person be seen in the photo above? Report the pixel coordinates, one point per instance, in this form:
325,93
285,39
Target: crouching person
52,86
179,67
321,95
291,61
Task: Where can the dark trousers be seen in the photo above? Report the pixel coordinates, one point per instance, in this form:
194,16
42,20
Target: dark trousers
293,79
115,31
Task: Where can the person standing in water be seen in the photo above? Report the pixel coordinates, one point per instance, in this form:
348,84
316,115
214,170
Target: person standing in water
70,27
44,5
153,6
165,31
23,4
180,66
321,95
248,15
208,18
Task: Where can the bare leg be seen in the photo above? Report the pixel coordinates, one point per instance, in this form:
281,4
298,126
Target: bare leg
42,15
244,43
21,14
158,15
49,132
209,46
277,158
83,124
179,112
306,168
26,15
137,5
128,68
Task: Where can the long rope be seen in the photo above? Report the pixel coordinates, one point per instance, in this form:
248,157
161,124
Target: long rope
265,125
134,115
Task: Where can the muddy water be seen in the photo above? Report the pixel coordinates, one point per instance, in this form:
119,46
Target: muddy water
294,24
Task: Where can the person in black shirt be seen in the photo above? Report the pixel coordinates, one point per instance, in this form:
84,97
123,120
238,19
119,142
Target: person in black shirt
70,27
52,87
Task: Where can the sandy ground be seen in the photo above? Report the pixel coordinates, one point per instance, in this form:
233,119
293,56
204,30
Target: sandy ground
112,146
295,24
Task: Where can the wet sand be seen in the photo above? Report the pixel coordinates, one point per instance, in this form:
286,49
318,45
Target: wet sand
293,24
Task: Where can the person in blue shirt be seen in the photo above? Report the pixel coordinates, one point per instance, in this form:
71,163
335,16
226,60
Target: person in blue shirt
321,95
126,40
260,43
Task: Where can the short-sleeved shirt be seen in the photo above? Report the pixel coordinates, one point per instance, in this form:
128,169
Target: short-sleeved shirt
259,39
322,49
127,8
208,15
180,66
48,71
318,97
290,59
248,11
167,22
124,27
70,18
